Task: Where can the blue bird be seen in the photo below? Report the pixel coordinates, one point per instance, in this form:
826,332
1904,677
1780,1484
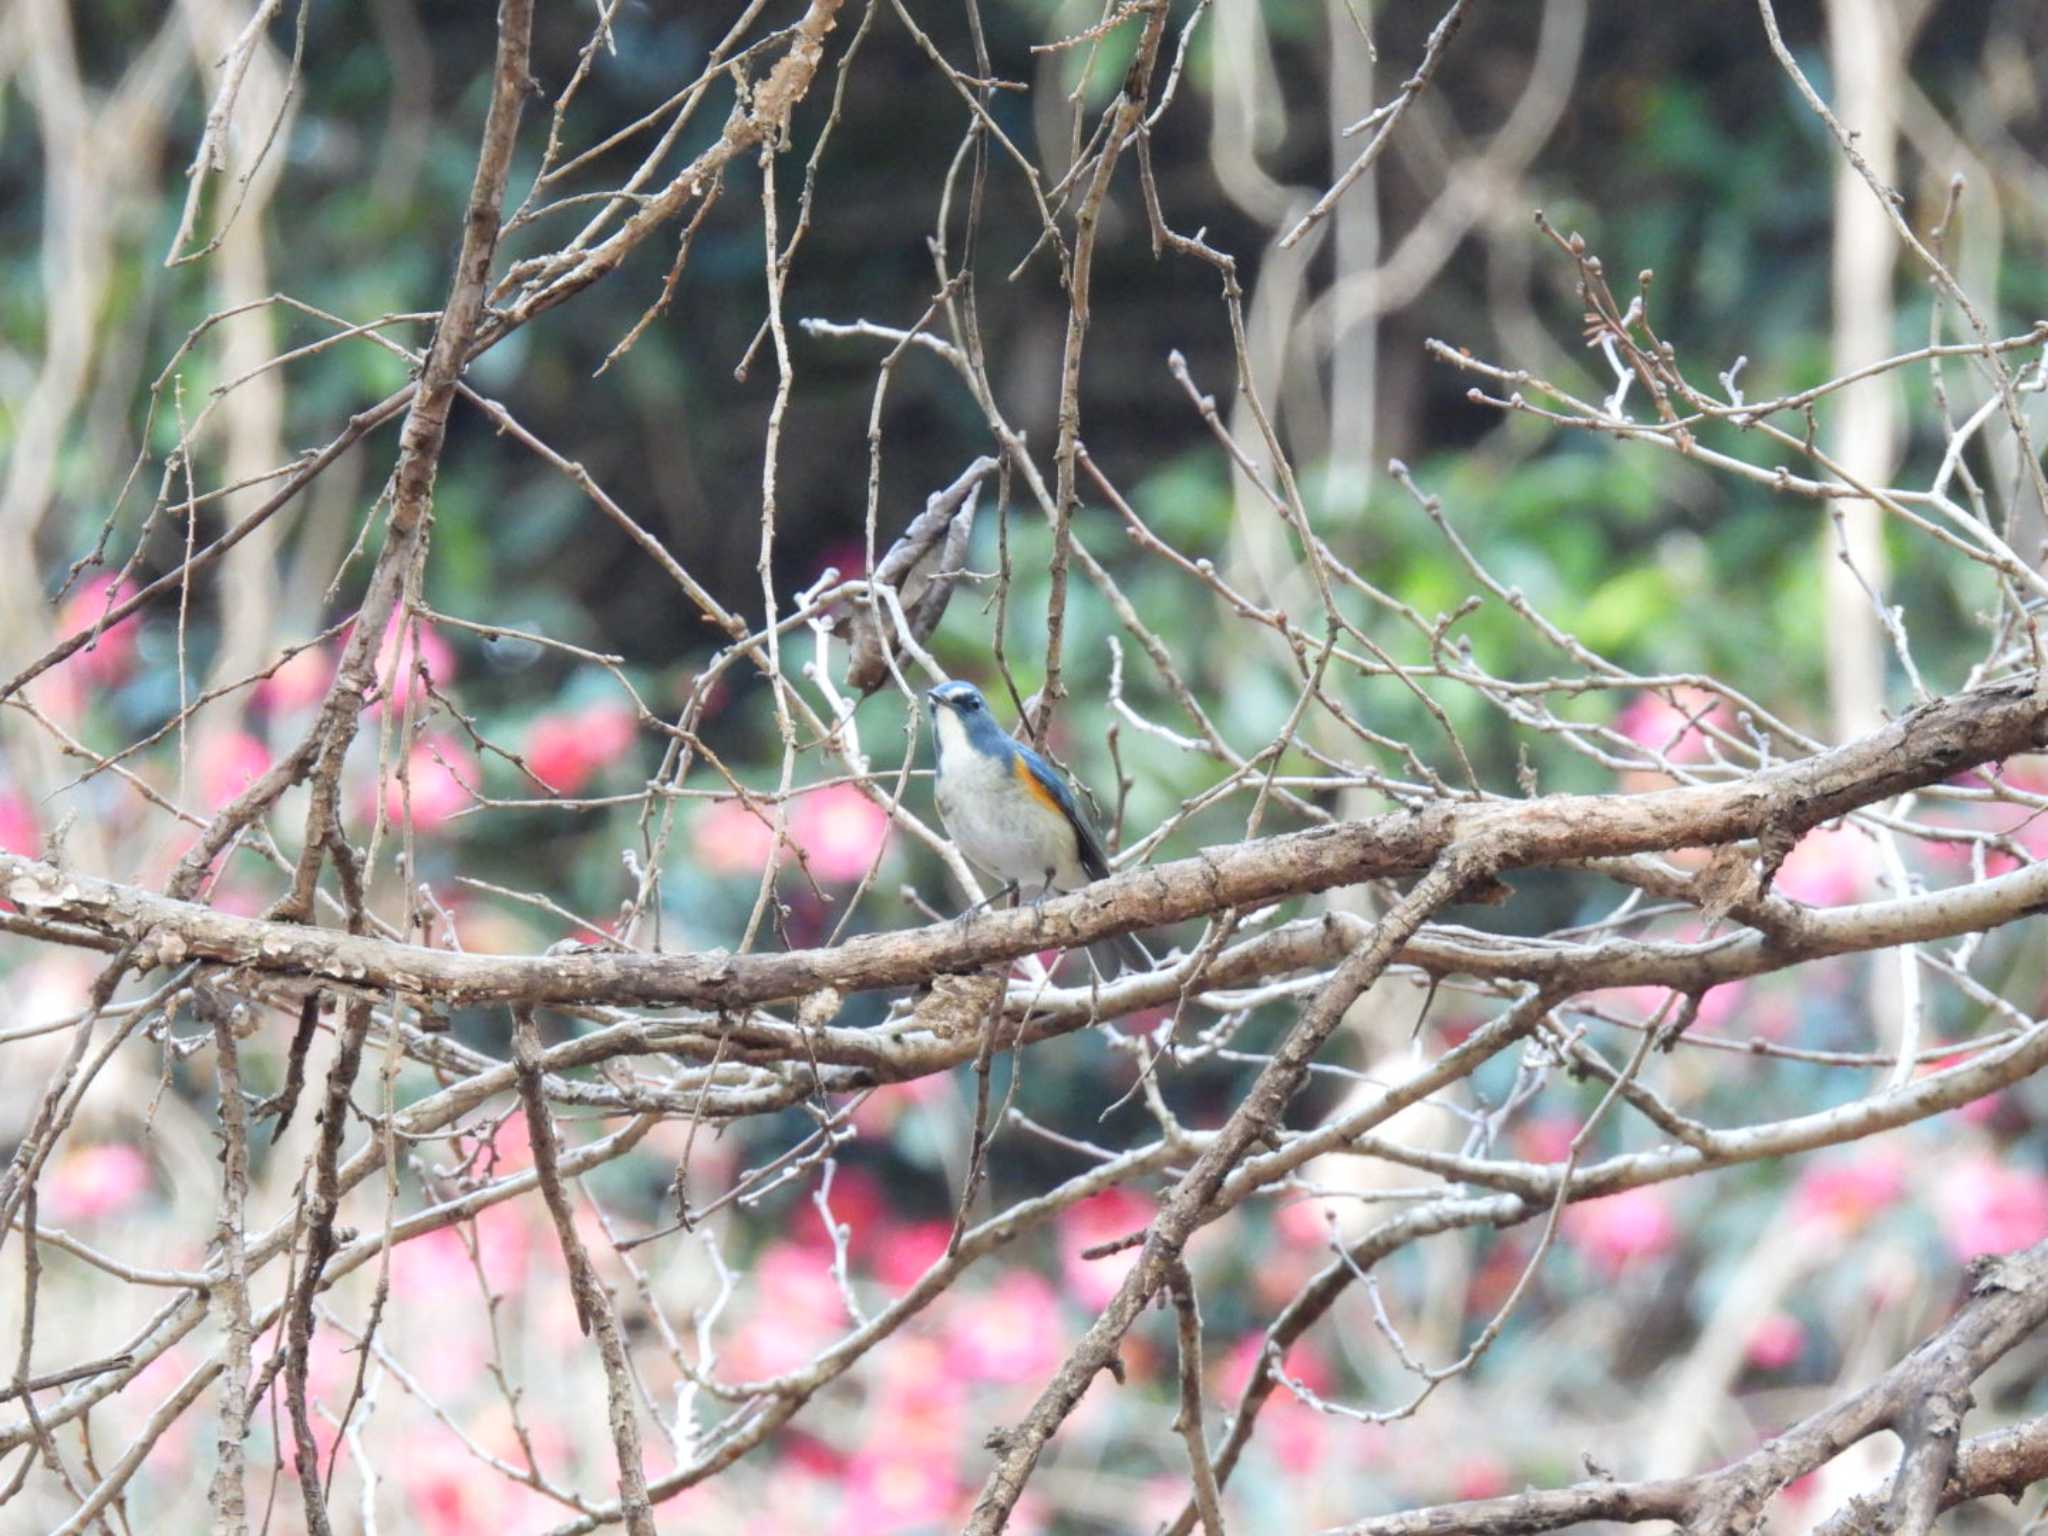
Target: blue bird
1012,816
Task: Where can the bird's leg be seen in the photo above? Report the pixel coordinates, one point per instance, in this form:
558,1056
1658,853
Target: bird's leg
989,900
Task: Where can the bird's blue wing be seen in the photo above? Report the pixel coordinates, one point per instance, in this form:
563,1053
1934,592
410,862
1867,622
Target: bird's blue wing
1037,775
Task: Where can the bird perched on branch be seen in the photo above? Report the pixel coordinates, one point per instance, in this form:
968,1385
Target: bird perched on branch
1013,817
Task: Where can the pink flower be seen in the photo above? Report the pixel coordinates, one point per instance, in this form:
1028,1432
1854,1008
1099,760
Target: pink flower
566,750
229,762
1776,1342
1010,1332
797,1311
1653,721
904,1253
1301,1362
1722,1003
734,839
440,769
1979,1111
1547,1138
18,832
300,682
2031,833
94,1182
444,1496
171,1455
857,1204
408,645
1294,1433
1988,1207
840,831
1112,1214
888,1491
1830,866
1618,1231
1304,1223
109,659
1847,1191
1479,1476
436,1266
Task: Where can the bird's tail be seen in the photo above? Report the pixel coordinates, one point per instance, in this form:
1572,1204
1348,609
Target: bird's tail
1118,953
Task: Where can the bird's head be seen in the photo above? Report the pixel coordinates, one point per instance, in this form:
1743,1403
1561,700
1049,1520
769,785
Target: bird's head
961,717
959,698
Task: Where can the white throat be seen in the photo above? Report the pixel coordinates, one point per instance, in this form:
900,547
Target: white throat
952,739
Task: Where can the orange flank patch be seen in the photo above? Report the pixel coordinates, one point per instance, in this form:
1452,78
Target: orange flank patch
1030,781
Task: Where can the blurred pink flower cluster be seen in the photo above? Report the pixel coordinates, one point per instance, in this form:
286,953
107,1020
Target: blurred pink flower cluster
1675,728
840,830
566,749
105,663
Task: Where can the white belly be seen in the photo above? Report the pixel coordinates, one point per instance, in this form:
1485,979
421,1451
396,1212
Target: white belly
999,829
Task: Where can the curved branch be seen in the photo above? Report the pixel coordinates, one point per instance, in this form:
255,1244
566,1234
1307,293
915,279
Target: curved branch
2009,1301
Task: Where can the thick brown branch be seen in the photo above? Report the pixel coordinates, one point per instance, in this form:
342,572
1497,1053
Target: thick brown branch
2006,1461
1932,743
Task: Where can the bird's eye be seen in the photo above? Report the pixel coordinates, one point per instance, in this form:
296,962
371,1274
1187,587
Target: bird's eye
970,705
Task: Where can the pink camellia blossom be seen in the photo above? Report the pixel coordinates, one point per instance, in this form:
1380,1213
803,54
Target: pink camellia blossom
906,1474
565,751
1100,1218
237,898
857,1204
734,839
1011,1331
1829,867
1990,1207
1547,1138
408,645
1979,1111
1480,1476
1296,1434
918,1402
1673,729
443,1494
1847,1191
298,683
109,659
228,763
1775,1342
902,1254
797,1311
1303,1223
91,1183
2029,829
1301,1362
1620,1231
840,831
1720,1004
171,1453
18,829
888,1491
436,1267
440,769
